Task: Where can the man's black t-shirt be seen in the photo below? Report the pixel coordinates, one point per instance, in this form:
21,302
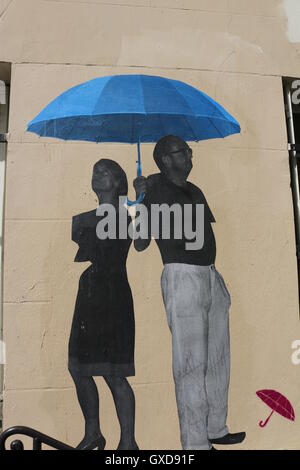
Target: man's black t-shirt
161,190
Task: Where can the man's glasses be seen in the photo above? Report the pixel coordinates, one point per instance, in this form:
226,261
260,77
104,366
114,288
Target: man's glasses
187,151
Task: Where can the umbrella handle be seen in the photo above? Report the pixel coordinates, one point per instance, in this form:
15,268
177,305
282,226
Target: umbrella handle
263,424
138,201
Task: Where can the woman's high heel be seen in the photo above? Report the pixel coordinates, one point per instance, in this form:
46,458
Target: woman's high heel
98,443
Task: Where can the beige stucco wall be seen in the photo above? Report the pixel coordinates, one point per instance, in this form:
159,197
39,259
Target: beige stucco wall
234,50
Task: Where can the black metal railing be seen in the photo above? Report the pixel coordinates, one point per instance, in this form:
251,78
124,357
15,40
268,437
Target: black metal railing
38,439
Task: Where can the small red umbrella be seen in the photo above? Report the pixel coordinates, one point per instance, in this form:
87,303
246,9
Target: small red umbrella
276,402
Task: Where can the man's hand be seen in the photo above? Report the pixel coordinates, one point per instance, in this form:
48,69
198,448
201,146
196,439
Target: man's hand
140,185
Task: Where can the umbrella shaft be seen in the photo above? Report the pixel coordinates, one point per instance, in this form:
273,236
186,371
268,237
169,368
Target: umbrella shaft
139,165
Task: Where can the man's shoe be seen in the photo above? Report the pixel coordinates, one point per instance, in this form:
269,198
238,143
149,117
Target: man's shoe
229,439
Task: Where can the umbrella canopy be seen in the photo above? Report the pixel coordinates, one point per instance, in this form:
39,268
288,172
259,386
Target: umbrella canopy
133,109
277,402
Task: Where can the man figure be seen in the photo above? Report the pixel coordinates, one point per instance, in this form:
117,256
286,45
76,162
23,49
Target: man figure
196,301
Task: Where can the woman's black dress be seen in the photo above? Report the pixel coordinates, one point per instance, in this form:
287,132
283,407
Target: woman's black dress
102,334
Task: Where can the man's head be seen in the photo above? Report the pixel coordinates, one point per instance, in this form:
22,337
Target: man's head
173,157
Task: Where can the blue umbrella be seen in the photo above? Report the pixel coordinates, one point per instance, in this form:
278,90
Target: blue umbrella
133,109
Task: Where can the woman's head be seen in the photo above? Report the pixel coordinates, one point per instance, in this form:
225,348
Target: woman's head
108,176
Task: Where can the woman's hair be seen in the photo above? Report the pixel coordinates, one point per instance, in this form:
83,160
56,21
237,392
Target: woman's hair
118,173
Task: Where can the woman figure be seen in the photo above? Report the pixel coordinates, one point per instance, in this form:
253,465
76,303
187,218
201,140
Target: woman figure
102,334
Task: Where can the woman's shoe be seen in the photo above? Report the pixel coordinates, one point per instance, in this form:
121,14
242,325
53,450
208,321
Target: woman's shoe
98,443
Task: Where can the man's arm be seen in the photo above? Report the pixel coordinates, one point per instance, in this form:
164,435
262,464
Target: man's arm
140,186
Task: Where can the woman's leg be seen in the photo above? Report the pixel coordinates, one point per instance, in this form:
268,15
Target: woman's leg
88,398
125,405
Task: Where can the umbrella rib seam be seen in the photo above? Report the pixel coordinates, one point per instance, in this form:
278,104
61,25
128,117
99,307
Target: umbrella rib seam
190,126
185,116
161,122
219,132
143,98
106,84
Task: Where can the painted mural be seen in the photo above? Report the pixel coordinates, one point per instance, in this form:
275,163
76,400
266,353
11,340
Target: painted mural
136,109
